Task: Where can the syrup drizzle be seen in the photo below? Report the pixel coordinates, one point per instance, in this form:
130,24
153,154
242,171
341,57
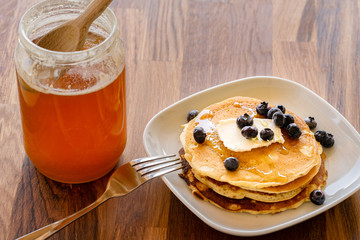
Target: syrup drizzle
272,173
283,150
212,139
204,120
239,105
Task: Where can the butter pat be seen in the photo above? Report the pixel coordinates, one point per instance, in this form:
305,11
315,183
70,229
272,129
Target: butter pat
230,135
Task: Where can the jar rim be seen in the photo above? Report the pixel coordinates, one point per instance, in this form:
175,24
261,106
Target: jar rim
65,57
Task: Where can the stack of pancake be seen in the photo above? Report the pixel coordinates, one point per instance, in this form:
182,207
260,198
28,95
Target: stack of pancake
269,179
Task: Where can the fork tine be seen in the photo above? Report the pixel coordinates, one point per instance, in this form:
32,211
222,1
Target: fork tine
147,159
146,170
155,163
162,172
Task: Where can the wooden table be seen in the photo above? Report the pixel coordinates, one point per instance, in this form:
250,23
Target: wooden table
176,48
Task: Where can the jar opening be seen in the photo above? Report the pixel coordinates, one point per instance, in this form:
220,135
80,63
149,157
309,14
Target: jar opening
44,16
62,73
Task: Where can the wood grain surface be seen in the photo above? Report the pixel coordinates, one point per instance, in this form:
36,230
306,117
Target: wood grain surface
176,48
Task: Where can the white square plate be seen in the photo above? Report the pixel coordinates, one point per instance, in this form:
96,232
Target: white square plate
161,136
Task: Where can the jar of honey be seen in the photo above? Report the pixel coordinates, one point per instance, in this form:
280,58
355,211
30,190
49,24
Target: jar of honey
73,104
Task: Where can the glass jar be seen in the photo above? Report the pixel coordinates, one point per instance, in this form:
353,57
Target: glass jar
73,104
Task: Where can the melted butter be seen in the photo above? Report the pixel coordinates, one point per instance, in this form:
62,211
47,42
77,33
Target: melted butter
264,123
231,136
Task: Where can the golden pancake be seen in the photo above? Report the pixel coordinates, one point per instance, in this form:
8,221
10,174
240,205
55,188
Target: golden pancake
260,168
248,205
288,187
234,192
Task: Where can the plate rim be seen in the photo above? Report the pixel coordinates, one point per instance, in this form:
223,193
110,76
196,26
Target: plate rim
266,230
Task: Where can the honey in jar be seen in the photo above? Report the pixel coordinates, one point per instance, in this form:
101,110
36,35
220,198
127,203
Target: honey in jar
73,105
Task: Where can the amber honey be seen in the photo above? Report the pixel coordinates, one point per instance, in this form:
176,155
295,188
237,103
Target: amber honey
74,126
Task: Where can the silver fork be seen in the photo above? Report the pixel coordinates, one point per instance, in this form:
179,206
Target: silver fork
124,180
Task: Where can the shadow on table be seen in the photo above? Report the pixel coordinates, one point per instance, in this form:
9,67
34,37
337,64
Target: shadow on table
41,201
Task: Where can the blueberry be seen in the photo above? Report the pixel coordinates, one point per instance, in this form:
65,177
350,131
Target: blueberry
262,109
279,119
231,163
317,197
192,114
328,141
244,120
266,134
271,112
199,135
281,107
320,135
311,122
288,119
249,132
293,130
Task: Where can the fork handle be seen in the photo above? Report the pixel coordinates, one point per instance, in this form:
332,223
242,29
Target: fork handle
52,228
